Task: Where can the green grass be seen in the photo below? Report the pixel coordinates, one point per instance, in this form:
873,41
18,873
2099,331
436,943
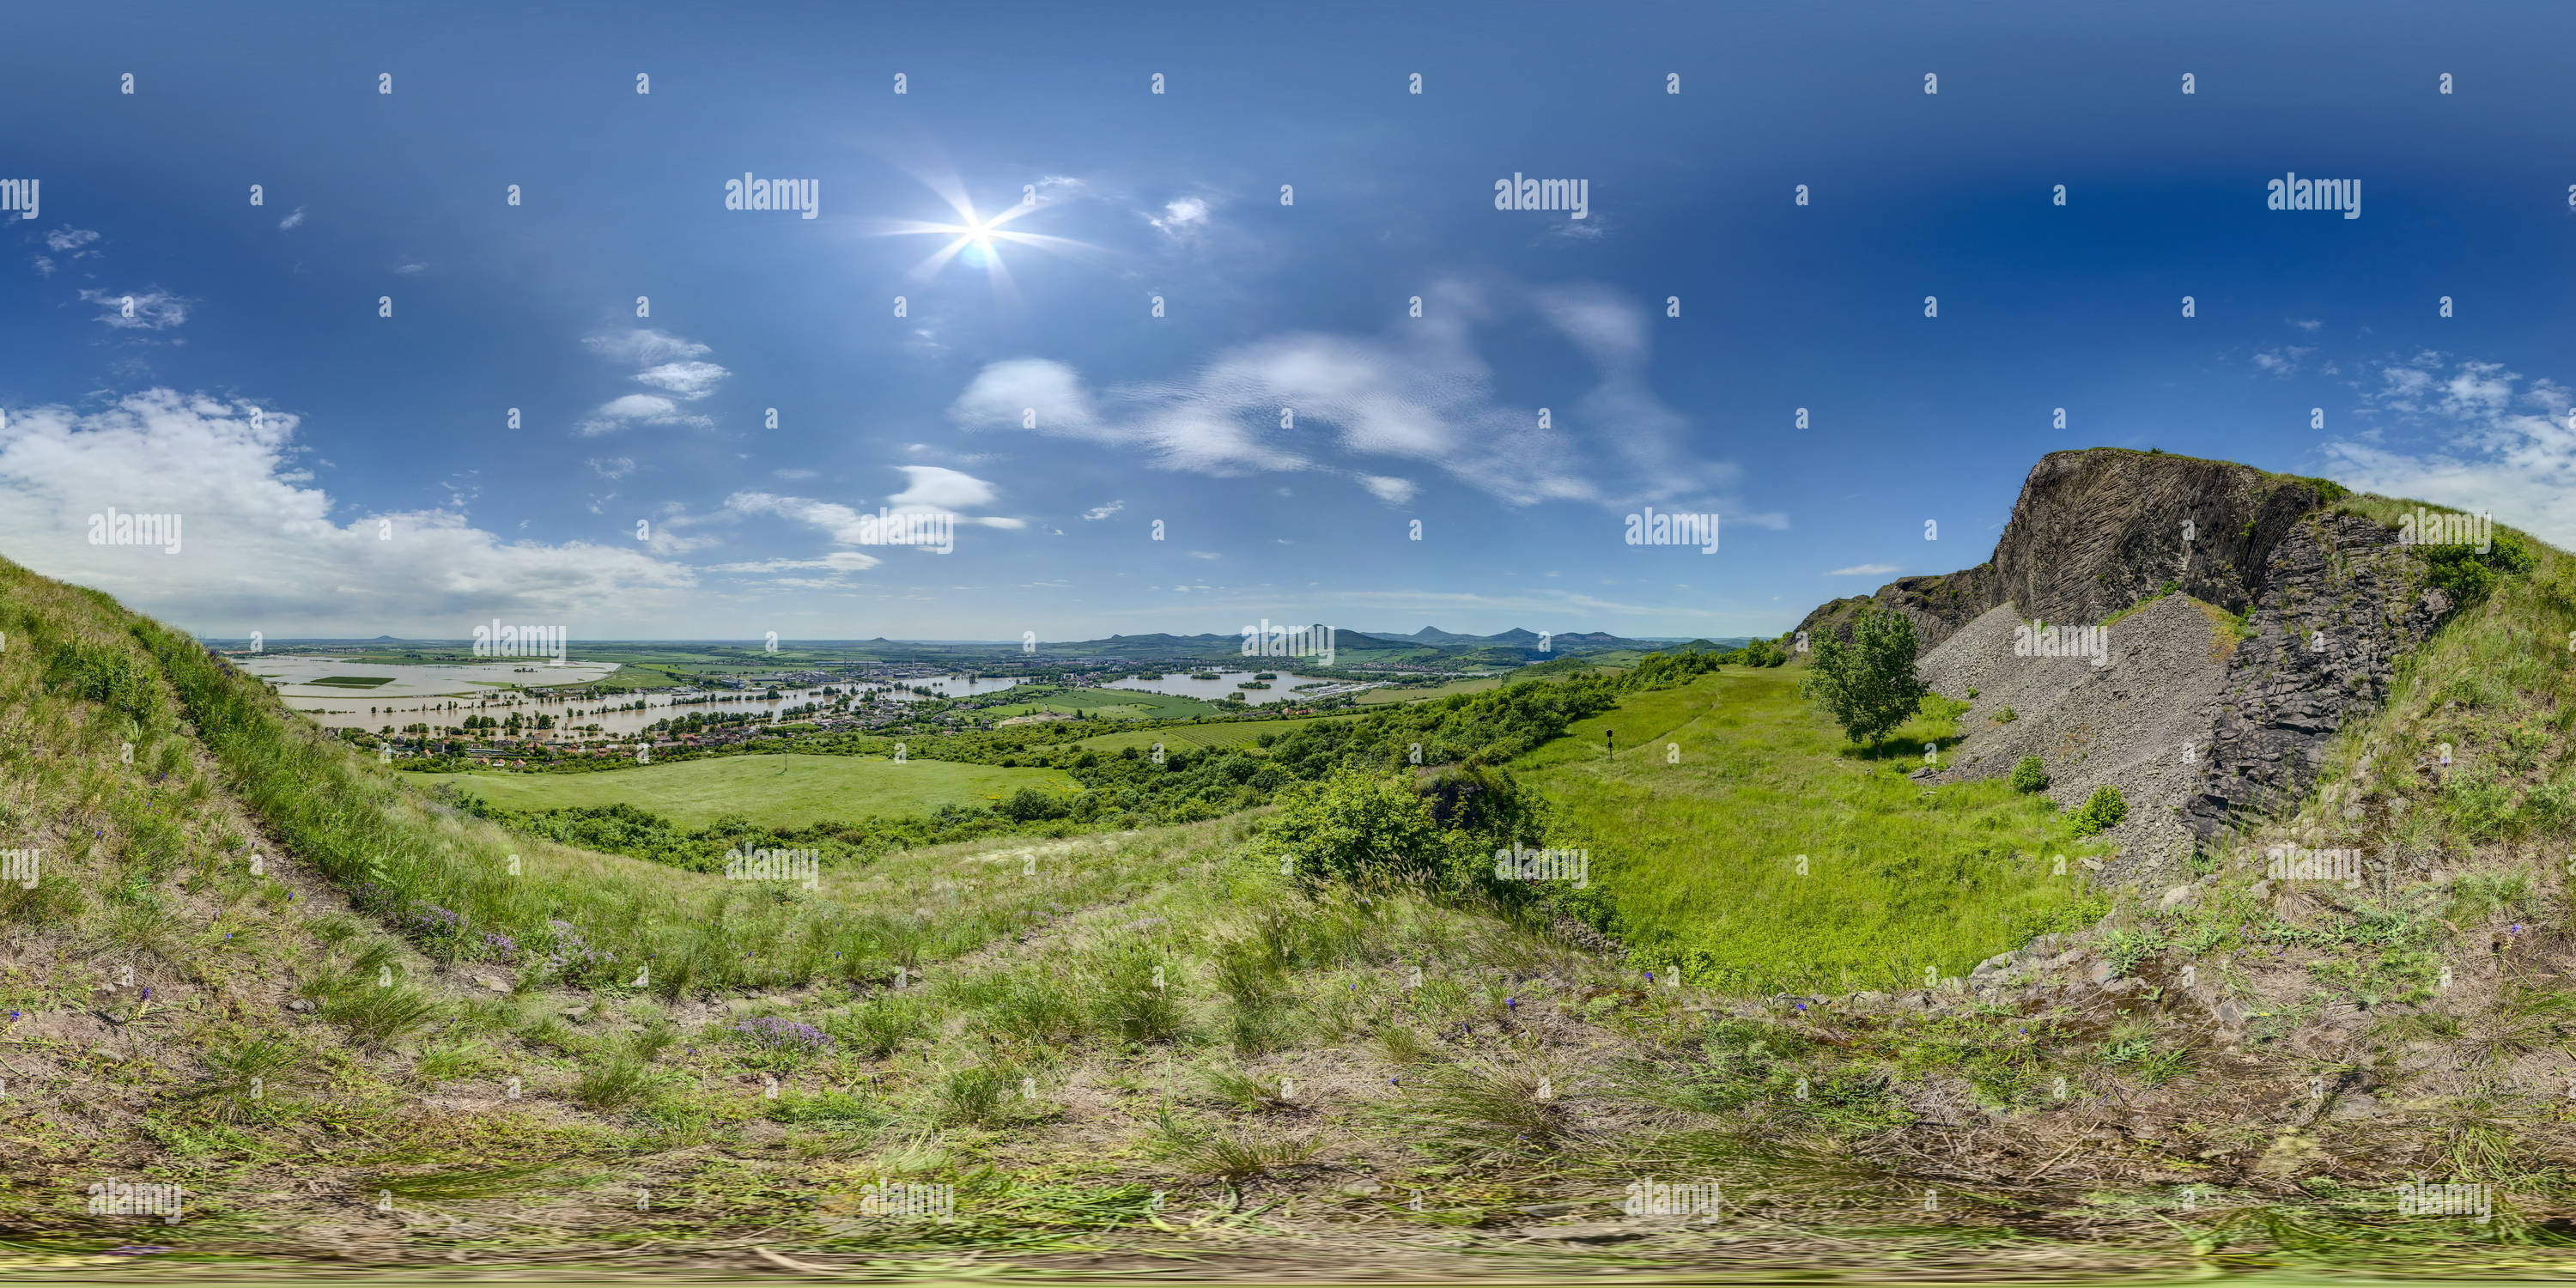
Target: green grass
789,791
1696,861
1232,733
1375,697
1109,704
353,681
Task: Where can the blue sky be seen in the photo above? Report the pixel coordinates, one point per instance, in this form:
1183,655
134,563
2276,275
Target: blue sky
382,489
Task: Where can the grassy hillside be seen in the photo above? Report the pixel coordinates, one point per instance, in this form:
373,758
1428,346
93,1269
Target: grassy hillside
1151,1050
1698,827
782,791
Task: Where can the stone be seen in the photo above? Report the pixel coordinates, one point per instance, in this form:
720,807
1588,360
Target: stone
2176,897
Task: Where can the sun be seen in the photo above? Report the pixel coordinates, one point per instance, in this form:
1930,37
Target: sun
978,237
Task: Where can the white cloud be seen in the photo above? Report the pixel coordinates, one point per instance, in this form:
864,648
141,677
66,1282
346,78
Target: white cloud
2471,435
1104,511
1864,570
1393,491
1181,218
690,380
2307,324
149,311
794,473
261,547
936,488
2284,360
643,347
291,220
411,268
638,409
70,240
1421,392
613,467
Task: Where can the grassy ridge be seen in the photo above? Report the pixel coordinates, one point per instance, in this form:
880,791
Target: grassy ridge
781,791
463,889
1696,861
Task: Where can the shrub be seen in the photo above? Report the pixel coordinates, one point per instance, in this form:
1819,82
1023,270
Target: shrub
1868,685
2030,775
2102,812
1357,825
2466,575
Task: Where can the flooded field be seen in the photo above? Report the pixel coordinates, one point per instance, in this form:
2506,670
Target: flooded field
345,693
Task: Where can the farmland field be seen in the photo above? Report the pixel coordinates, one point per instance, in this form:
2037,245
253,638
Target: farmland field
811,789
1378,697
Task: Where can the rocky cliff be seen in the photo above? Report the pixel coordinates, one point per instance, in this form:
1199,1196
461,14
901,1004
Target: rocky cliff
2097,530
2335,602
2341,603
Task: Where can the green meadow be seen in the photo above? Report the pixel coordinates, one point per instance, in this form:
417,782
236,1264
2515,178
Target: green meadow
1697,828
1232,733
1110,704
780,791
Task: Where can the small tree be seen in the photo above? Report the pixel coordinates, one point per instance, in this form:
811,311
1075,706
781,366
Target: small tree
1868,684
2030,775
2102,811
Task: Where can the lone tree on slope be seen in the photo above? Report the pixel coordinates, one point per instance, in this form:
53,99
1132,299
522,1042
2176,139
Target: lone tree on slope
1868,685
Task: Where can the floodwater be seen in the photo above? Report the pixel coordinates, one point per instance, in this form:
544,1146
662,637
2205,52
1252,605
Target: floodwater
423,694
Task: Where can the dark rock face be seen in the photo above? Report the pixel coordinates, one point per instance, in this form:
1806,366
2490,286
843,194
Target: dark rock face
2341,603
2095,531
2337,603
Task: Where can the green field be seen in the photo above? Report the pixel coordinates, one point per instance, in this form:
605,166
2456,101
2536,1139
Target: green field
1232,733
1110,704
353,681
1375,697
812,789
1699,858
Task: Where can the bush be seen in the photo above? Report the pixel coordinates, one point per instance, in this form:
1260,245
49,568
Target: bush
1868,685
1029,804
2102,812
1356,825
2467,576
2031,776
